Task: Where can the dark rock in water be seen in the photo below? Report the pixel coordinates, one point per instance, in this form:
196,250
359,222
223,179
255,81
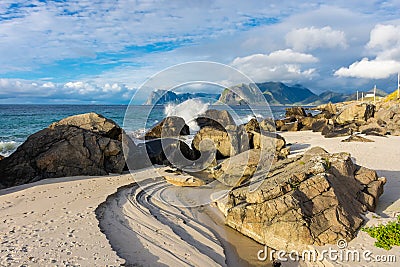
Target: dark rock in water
169,127
337,132
215,118
1,157
314,199
357,138
86,144
295,112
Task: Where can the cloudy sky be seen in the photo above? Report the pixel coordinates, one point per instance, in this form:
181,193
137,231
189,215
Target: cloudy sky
101,51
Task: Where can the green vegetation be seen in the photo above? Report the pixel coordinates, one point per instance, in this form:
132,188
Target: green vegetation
386,235
327,164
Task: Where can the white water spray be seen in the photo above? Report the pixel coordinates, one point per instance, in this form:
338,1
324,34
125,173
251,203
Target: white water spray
188,110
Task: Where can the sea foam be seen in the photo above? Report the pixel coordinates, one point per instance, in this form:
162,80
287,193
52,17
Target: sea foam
188,110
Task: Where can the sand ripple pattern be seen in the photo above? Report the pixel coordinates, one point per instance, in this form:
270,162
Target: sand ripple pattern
148,232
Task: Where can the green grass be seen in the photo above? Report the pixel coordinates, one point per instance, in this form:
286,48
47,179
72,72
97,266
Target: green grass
386,235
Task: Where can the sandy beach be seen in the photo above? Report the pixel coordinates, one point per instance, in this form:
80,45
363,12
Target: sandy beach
99,221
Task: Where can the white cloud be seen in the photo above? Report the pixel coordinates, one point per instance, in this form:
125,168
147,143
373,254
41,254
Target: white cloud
282,65
79,91
384,43
310,38
370,69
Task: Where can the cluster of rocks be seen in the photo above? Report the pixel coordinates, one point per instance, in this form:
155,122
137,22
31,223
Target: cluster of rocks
352,118
86,144
314,199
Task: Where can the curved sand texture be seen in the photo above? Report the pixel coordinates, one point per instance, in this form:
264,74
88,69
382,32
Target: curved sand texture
148,232
383,155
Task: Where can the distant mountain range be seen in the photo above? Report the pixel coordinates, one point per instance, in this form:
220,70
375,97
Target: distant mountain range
276,93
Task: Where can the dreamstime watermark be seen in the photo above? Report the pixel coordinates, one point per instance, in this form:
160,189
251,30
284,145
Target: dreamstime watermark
342,255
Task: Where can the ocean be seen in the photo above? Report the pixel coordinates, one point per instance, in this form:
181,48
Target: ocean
17,122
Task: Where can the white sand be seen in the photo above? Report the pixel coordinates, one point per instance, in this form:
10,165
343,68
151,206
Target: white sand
383,156
53,223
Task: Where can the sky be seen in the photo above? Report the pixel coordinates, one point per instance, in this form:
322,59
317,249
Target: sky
101,52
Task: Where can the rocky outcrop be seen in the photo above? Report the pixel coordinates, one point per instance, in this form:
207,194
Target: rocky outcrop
86,144
356,112
169,127
314,199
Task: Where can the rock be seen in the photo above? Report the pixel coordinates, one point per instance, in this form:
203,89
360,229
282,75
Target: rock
1,157
357,138
295,112
313,199
252,125
228,142
66,149
167,151
306,123
291,127
279,124
169,127
92,122
319,125
356,112
215,118
235,170
268,125
266,141
331,109
179,178
337,132
373,129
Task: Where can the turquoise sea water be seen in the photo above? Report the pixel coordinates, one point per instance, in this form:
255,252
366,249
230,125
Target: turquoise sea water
17,122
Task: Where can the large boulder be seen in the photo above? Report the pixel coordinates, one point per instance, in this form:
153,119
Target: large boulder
215,118
169,127
86,144
314,199
92,122
356,112
228,142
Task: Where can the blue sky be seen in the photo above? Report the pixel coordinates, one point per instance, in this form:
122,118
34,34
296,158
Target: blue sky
102,51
